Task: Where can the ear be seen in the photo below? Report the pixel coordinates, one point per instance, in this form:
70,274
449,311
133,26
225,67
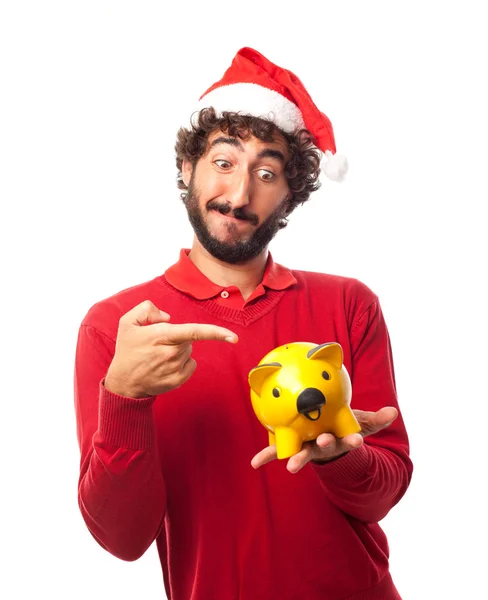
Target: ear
258,375
186,171
331,352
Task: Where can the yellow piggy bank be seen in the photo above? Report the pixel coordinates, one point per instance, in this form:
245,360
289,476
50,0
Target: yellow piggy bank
301,390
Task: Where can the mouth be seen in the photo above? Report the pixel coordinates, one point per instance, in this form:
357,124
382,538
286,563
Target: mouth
230,219
313,415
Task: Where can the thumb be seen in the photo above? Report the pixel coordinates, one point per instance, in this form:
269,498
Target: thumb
372,422
146,313
386,415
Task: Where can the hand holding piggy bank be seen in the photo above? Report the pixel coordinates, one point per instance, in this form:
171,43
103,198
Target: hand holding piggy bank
301,390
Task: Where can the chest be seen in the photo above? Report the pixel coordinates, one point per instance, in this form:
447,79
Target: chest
214,407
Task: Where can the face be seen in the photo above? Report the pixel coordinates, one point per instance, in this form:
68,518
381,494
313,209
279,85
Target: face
237,195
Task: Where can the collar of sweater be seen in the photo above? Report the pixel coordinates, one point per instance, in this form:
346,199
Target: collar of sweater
187,278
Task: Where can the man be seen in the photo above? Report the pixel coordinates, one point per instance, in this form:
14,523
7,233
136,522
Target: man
170,447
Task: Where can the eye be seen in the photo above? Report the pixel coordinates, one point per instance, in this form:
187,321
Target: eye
266,175
325,375
276,392
223,164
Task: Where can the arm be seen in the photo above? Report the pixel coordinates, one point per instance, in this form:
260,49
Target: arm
121,492
122,495
369,480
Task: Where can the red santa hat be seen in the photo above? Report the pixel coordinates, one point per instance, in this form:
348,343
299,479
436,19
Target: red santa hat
255,86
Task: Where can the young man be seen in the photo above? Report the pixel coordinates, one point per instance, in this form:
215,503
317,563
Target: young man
171,449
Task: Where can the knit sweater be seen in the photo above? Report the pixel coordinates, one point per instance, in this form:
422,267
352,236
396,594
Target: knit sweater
176,468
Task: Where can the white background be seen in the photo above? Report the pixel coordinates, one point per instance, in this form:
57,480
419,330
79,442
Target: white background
91,96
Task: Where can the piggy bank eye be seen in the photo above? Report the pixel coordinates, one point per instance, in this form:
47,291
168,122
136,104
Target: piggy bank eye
276,392
325,375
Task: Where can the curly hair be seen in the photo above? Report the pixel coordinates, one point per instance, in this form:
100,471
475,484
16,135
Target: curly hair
302,168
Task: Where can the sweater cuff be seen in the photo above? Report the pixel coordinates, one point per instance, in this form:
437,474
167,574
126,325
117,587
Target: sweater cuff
126,422
347,469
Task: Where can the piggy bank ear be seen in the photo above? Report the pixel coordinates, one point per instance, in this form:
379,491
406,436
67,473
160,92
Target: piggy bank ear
332,352
258,375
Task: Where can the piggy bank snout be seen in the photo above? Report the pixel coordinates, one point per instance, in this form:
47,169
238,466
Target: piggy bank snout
309,400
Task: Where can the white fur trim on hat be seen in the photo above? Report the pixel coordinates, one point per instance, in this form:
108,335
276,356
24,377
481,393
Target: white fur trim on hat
255,100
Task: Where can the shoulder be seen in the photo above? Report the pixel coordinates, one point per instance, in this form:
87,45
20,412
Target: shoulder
105,314
339,294
336,285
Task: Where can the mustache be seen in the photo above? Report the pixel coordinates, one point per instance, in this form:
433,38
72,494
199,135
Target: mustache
237,213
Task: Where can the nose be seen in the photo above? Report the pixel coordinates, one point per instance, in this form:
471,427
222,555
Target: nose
310,399
238,193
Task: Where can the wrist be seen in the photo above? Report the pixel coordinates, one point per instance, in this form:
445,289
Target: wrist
121,388
331,459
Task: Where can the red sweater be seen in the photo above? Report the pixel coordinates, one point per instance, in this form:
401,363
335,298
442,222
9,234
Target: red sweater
176,468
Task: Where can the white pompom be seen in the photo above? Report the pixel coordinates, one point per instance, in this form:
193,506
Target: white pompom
334,165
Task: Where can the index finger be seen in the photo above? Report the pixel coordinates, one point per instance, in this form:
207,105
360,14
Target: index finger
193,332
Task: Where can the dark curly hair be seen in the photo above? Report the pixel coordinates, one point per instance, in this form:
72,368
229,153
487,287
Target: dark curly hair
302,169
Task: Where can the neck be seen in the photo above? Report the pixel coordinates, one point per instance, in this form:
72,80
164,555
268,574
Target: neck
245,276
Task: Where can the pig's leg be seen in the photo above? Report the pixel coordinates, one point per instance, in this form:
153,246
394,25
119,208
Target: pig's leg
345,423
288,442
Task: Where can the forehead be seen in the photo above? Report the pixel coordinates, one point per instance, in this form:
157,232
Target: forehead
251,142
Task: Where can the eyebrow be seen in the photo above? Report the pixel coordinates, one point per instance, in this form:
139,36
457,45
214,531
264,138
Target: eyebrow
266,153
226,140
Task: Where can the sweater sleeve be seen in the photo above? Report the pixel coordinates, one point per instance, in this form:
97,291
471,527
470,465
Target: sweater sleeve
121,492
368,481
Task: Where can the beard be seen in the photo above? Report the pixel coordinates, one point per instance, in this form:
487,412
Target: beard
238,250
